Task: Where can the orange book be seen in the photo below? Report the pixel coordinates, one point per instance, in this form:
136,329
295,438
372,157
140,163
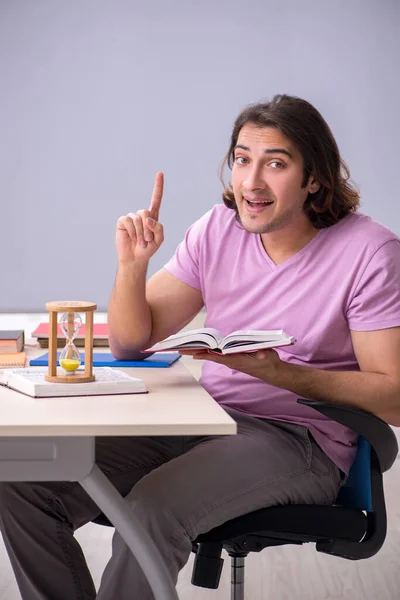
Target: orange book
12,360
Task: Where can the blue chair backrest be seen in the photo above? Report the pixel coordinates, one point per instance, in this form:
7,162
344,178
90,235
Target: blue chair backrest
356,492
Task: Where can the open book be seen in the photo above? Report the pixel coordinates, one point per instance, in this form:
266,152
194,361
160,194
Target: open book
108,381
213,341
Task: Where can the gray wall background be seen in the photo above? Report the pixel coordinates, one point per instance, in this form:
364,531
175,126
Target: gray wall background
96,96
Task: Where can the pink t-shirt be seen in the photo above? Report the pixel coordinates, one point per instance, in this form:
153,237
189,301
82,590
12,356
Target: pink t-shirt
347,277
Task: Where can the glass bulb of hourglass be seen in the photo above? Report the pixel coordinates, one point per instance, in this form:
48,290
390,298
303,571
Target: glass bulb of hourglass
76,325
70,359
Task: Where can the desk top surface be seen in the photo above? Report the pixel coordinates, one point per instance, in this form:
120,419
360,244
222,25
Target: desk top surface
175,405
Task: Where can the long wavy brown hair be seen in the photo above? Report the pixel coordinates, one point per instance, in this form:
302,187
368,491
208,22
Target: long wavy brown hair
301,123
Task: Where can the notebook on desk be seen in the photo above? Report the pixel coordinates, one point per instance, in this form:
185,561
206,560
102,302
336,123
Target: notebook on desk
108,382
12,360
106,359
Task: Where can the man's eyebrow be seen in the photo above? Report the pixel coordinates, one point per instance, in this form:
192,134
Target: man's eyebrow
267,150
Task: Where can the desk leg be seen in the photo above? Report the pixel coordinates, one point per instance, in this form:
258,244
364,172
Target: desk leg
137,539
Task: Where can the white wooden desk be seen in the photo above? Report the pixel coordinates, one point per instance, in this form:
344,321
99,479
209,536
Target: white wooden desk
54,439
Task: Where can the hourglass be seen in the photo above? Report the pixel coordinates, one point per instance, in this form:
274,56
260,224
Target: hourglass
70,358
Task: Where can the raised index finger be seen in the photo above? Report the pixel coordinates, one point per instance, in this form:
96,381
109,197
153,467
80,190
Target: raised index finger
157,196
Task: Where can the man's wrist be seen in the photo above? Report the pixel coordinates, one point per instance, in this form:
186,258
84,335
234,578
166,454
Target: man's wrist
127,268
279,373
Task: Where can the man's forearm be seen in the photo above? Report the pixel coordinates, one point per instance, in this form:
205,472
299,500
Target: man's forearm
374,392
129,315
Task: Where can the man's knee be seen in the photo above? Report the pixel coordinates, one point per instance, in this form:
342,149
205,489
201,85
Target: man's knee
164,509
13,494
20,497
12,499
9,493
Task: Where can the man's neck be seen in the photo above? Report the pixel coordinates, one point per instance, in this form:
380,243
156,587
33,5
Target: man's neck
282,245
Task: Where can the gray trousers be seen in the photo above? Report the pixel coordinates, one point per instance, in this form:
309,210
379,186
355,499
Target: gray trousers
179,487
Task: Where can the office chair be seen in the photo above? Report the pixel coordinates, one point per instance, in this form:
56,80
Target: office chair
353,528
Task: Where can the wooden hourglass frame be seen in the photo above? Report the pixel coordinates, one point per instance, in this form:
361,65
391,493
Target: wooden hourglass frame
70,307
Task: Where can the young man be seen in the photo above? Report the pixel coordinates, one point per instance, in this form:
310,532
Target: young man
286,250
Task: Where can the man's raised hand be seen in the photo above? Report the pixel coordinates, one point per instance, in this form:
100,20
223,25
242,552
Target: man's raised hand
139,235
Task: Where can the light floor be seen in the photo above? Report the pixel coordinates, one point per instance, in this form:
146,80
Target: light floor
286,573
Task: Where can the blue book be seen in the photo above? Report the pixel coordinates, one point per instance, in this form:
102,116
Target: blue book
106,359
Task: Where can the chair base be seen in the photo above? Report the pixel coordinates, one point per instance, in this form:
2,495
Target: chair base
237,577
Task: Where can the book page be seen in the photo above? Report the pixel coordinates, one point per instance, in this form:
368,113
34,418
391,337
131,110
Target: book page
252,334
205,337
239,338
240,347
194,334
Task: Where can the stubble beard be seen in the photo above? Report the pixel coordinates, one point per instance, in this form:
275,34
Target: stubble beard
275,224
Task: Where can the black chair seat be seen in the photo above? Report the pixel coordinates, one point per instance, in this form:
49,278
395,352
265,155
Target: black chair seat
310,522
290,522
354,528
295,521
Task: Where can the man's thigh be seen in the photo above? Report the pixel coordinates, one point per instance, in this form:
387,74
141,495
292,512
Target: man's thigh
124,460
221,477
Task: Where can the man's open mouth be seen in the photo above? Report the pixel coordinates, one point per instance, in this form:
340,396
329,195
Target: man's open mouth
259,202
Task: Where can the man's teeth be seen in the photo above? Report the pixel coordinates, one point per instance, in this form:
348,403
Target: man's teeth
258,202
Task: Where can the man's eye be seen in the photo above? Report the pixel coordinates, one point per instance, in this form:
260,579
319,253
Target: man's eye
240,160
276,164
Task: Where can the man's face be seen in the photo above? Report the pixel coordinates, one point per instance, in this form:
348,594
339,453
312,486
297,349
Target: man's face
267,175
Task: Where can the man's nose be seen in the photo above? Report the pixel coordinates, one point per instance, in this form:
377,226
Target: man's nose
254,179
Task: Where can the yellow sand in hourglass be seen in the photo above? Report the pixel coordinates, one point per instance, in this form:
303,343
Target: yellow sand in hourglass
70,359
70,364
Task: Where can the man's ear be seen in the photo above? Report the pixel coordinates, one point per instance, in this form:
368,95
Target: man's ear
313,185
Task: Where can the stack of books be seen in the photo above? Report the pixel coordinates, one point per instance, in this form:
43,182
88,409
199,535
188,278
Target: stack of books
11,341
11,348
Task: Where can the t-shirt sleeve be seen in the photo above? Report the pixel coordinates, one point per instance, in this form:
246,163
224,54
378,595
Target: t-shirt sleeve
185,263
376,301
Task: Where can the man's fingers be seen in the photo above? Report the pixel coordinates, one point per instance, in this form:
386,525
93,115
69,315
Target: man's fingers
156,229
138,224
127,224
157,196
